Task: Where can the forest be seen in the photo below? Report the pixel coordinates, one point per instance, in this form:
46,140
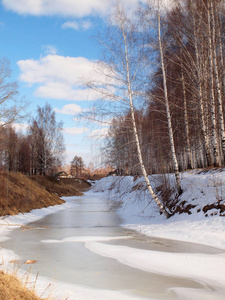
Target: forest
39,151
171,62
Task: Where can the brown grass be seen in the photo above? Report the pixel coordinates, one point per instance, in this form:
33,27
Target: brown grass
63,186
20,193
12,289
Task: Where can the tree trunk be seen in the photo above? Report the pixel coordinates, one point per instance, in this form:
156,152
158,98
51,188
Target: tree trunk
152,193
212,97
219,93
186,125
200,94
174,158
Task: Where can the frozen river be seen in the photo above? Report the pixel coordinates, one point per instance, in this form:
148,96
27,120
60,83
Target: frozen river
62,245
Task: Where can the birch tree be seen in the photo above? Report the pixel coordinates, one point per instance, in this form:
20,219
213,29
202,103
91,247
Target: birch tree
152,16
46,139
211,13
212,88
12,106
120,74
173,152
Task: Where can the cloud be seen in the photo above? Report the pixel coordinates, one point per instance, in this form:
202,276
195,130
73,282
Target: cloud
58,77
73,25
58,7
98,133
49,49
69,109
86,25
20,127
75,130
66,8
83,25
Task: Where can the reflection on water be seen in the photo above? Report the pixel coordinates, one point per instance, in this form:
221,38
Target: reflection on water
72,262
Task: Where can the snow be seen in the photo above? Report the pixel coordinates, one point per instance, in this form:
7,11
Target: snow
10,222
209,268
140,213
84,239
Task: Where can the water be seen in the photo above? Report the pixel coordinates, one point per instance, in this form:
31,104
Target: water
71,262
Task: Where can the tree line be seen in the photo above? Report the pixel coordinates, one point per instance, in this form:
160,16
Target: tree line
184,90
161,85
39,151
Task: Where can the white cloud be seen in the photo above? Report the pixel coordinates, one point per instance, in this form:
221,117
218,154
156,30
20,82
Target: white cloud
58,7
68,8
83,25
70,24
58,77
49,49
69,109
54,68
20,127
86,25
98,133
75,130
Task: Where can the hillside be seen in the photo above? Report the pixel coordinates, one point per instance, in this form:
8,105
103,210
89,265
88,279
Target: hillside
19,193
198,214
203,192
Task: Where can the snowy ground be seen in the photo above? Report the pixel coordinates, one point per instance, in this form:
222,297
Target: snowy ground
141,214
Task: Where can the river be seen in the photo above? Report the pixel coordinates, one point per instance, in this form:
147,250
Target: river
58,244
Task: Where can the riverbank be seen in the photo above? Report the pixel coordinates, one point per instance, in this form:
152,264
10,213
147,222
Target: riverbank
142,215
24,199
166,263
203,222
20,193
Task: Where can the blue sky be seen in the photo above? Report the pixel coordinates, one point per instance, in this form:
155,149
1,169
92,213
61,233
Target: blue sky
49,45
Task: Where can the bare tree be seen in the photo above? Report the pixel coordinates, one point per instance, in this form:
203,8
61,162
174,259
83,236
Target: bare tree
46,139
119,78
11,105
77,166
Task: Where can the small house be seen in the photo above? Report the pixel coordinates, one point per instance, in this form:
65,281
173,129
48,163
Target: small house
62,174
117,172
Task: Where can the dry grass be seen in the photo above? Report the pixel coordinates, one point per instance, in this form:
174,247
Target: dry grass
62,187
20,194
12,289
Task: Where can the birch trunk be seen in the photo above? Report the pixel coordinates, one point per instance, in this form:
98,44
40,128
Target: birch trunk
218,30
174,158
129,88
219,93
186,125
200,93
212,97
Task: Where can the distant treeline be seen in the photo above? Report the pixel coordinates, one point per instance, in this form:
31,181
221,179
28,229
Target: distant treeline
39,151
184,66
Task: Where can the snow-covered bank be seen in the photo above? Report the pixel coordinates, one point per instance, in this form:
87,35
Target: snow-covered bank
49,287
7,223
201,272
140,212
205,268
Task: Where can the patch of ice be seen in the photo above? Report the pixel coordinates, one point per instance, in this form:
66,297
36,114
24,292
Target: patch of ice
84,239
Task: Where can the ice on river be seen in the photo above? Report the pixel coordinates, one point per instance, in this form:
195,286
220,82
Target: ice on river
206,269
